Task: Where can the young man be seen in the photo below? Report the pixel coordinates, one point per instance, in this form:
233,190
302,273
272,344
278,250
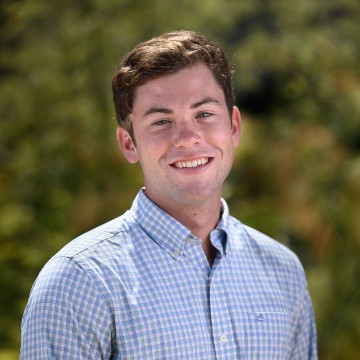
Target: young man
175,277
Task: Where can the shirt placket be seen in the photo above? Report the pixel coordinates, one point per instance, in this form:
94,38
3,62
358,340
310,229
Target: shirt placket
223,336
196,255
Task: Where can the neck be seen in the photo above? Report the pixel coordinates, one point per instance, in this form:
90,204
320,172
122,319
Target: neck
200,220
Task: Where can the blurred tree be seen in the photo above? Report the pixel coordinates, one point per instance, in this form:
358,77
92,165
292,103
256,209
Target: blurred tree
297,172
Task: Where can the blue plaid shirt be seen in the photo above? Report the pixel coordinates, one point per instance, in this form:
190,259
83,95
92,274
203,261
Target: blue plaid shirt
140,287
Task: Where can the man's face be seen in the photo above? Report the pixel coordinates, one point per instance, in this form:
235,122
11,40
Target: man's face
184,139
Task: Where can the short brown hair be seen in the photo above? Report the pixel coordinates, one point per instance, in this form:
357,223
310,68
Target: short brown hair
164,55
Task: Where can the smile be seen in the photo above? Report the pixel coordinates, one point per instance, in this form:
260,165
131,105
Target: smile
191,164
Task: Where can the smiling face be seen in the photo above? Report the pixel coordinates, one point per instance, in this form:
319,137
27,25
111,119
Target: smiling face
184,139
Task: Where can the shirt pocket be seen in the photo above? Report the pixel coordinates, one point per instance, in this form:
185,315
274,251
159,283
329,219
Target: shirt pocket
270,335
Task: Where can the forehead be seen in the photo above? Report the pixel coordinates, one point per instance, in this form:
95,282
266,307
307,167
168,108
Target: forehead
193,82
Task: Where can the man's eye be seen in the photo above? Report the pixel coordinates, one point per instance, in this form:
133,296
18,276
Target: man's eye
204,114
161,122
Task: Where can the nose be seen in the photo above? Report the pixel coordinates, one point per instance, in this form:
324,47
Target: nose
186,135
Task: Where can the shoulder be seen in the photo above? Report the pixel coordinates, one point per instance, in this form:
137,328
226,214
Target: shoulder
82,268
89,257
115,229
267,247
262,251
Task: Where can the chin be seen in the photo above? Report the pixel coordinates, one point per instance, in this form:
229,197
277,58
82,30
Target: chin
197,195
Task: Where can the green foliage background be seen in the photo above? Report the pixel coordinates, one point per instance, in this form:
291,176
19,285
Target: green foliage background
297,170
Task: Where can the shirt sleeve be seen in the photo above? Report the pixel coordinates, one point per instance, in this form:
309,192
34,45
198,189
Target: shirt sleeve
66,316
305,346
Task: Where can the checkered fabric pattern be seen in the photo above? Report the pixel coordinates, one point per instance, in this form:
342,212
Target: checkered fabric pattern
140,287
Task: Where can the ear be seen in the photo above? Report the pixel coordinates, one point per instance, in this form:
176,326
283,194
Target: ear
236,126
127,145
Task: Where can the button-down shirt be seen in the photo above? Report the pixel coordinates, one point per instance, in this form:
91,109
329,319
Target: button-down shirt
140,287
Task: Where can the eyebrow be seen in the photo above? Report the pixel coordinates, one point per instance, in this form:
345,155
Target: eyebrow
162,110
207,100
154,110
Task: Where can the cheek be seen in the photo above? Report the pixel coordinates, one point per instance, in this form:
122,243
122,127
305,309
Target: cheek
155,146
149,153
223,138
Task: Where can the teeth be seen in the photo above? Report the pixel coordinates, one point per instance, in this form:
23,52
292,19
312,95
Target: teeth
191,164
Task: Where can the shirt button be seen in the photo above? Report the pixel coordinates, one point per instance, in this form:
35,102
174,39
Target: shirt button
223,338
176,253
189,241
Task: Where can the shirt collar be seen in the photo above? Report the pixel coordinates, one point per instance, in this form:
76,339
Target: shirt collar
167,232
223,227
